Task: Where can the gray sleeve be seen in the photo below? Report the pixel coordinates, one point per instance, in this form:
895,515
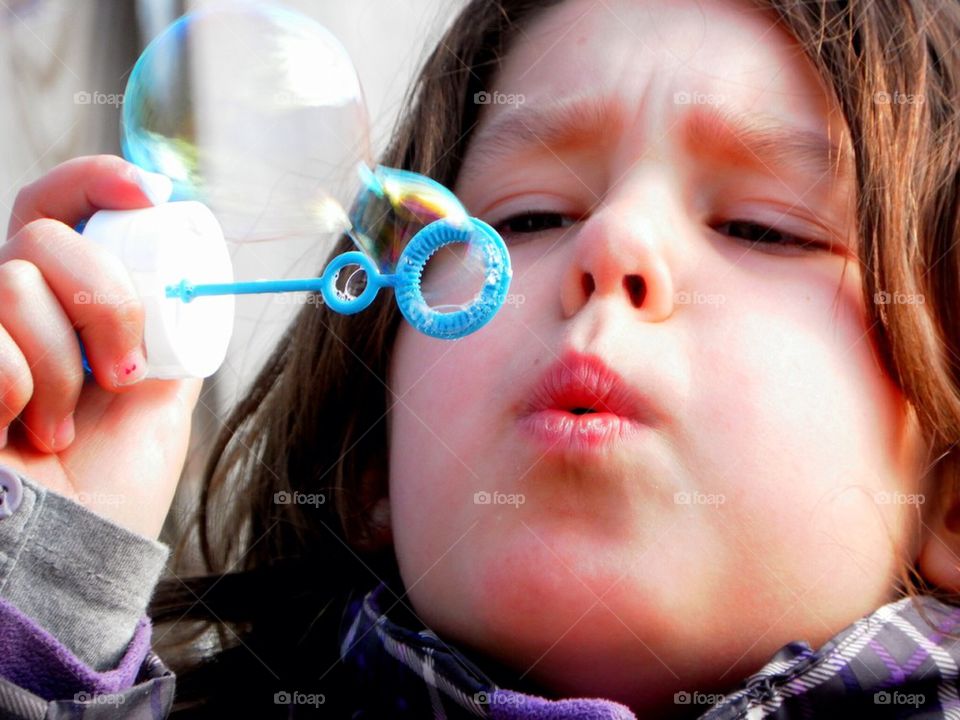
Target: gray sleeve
150,699
83,578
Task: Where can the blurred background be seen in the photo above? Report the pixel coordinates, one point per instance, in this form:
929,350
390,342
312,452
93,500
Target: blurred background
56,55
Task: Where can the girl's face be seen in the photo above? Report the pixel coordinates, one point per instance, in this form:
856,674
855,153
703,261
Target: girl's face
762,493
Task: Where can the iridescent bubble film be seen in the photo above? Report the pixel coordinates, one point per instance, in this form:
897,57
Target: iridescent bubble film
392,207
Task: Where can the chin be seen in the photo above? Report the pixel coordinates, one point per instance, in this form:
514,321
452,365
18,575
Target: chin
639,644
625,648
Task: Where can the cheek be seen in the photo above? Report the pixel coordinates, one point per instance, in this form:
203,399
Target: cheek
788,367
801,430
447,398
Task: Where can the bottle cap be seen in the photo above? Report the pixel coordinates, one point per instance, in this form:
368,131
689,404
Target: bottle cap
161,246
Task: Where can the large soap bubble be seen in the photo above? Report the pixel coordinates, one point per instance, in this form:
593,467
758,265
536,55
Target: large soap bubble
257,112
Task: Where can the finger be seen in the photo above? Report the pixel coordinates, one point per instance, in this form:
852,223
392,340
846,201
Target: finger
78,188
32,316
16,381
101,301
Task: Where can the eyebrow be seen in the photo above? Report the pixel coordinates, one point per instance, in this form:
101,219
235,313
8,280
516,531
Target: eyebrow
549,125
750,140
763,141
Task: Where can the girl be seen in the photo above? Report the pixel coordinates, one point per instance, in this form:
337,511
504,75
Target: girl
700,465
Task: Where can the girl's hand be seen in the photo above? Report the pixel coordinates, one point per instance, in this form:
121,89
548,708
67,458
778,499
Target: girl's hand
113,443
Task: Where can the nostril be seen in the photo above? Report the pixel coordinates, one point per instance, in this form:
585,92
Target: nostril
636,288
588,284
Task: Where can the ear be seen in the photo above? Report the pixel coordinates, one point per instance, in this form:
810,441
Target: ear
379,522
939,559
377,532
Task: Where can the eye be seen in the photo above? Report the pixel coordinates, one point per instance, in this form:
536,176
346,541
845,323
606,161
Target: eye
754,233
532,222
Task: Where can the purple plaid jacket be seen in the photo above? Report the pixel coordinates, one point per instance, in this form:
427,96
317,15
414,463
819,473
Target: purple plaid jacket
891,664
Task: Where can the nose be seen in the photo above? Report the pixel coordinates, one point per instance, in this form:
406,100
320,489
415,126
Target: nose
619,255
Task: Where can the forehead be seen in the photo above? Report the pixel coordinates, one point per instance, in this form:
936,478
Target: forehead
648,51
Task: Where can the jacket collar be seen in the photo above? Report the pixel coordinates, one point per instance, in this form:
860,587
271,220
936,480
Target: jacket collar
892,663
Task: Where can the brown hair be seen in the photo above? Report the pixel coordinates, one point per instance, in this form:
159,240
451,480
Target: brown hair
265,613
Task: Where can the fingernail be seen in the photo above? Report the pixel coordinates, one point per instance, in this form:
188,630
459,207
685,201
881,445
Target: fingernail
158,188
64,433
131,369
3,438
